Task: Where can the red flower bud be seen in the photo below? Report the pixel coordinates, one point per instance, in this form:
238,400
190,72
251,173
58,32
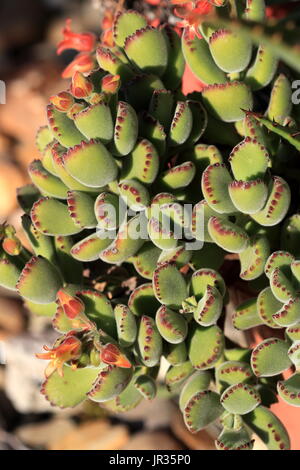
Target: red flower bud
111,354
83,42
72,306
81,87
155,22
108,20
83,63
107,38
110,84
63,101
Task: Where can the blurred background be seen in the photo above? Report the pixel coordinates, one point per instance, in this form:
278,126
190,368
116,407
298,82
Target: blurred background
31,70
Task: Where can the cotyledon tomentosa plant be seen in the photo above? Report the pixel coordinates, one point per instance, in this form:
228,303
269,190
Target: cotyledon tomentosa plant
124,132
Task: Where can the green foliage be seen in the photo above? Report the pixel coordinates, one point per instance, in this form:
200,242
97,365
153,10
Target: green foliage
121,177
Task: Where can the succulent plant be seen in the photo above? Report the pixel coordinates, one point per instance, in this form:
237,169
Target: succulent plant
135,174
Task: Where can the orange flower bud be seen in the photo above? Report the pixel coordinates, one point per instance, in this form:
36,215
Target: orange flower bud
107,38
81,87
63,101
82,63
108,20
12,246
111,354
72,306
111,84
155,22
